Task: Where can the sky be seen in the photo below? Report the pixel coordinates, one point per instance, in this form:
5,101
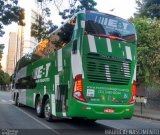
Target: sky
121,8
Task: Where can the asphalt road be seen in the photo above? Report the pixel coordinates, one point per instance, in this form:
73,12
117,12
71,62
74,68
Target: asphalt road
23,121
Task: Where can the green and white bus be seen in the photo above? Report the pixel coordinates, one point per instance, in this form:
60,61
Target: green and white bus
85,69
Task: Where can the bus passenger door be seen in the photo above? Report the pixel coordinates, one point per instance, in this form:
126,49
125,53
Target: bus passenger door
61,100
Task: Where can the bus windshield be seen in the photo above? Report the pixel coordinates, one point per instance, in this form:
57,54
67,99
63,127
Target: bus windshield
105,25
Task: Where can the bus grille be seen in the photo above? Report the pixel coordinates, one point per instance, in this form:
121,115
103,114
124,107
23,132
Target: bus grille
108,69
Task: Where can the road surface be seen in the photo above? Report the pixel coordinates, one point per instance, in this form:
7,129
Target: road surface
23,121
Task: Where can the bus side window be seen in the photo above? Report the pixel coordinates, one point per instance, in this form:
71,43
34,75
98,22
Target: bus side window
25,60
63,36
26,83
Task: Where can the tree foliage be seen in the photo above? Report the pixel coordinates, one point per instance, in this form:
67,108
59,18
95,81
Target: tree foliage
76,6
10,12
42,28
4,78
148,8
148,48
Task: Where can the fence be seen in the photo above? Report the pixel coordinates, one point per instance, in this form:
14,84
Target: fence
149,107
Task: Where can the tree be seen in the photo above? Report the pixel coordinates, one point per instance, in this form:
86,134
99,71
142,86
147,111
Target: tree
10,12
148,48
76,6
42,28
148,8
4,78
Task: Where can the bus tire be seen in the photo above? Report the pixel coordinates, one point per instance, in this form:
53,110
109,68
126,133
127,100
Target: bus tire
47,111
91,120
39,108
17,101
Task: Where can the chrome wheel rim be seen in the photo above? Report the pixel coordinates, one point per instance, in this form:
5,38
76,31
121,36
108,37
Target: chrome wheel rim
47,110
38,108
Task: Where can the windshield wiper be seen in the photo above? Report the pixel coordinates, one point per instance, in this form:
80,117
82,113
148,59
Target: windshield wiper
109,36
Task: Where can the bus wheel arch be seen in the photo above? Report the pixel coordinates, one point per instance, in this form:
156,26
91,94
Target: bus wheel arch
17,99
47,108
14,96
39,106
45,97
36,99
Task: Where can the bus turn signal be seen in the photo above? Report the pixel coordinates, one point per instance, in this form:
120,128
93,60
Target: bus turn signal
78,88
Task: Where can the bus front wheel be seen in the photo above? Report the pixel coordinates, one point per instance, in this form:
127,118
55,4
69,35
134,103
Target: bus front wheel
47,111
39,108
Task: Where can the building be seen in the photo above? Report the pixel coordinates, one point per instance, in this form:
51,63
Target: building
21,42
31,12
12,50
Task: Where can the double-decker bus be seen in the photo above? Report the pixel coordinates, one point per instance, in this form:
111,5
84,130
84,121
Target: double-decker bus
85,69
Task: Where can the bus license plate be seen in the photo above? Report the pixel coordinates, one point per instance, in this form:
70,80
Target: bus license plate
108,110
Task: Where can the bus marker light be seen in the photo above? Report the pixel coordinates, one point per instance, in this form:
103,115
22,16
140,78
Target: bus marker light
108,110
129,110
86,108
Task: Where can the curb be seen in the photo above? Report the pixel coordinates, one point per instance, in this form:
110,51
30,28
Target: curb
146,117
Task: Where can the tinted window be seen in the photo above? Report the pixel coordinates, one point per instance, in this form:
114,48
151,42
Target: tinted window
109,25
25,83
26,60
56,41
23,62
61,37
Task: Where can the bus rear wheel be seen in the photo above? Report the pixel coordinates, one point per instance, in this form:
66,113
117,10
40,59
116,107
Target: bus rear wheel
91,121
17,101
47,111
39,108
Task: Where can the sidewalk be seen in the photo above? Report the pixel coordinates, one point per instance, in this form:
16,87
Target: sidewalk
147,113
